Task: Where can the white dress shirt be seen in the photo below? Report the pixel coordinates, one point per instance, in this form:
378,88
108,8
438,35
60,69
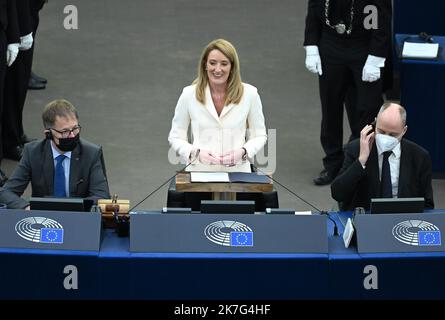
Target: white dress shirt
66,163
239,125
394,165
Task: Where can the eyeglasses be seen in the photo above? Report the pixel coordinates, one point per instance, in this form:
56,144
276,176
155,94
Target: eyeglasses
66,133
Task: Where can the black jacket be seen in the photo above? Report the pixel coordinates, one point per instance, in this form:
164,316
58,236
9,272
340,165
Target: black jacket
355,186
379,39
24,17
9,20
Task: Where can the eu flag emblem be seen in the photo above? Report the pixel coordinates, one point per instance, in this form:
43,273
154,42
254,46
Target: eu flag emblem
241,239
429,238
51,235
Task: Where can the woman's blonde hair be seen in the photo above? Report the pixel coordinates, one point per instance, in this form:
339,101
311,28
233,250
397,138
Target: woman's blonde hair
234,85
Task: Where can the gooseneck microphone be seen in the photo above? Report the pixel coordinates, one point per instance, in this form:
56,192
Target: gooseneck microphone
322,212
167,181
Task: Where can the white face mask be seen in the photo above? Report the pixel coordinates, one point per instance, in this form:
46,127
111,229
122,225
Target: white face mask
385,142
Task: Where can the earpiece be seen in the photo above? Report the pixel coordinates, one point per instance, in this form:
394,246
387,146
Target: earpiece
48,134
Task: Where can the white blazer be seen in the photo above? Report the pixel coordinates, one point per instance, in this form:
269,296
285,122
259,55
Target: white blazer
239,125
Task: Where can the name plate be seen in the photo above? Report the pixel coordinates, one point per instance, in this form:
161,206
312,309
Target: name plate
400,232
228,233
53,230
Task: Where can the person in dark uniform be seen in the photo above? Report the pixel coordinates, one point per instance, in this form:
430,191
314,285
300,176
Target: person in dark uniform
9,44
16,86
36,82
347,47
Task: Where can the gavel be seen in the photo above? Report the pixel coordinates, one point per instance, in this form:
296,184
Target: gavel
113,210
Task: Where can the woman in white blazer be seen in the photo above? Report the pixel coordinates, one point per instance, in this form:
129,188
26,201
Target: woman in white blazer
225,115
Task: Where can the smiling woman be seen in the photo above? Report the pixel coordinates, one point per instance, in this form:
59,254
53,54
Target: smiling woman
218,69
222,111
225,116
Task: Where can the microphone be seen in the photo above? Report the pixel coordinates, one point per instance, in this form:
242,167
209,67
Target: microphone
196,156
322,212
426,37
122,223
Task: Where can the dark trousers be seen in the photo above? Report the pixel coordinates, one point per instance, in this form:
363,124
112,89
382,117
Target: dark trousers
353,119
16,88
3,46
342,63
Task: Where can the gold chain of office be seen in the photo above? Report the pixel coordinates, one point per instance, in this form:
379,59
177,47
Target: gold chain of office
340,27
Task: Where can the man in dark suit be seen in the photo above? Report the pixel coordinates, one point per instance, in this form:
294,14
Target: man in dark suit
347,51
383,165
62,165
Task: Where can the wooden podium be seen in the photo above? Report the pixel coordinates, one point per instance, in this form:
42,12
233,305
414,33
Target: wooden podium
220,190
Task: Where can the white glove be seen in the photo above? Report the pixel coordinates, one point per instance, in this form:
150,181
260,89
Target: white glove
371,70
313,61
11,53
26,42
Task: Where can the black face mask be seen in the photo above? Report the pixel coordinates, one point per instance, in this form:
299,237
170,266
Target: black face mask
68,144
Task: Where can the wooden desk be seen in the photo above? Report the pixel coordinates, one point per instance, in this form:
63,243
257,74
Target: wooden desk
220,190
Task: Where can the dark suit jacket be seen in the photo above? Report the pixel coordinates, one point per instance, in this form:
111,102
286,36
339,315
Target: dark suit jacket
24,17
3,14
379,39
35,7
355,186
87,174
9,20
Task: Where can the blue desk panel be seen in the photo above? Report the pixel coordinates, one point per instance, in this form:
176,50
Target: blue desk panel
115,273
209,276
400,276
39,274
422,94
